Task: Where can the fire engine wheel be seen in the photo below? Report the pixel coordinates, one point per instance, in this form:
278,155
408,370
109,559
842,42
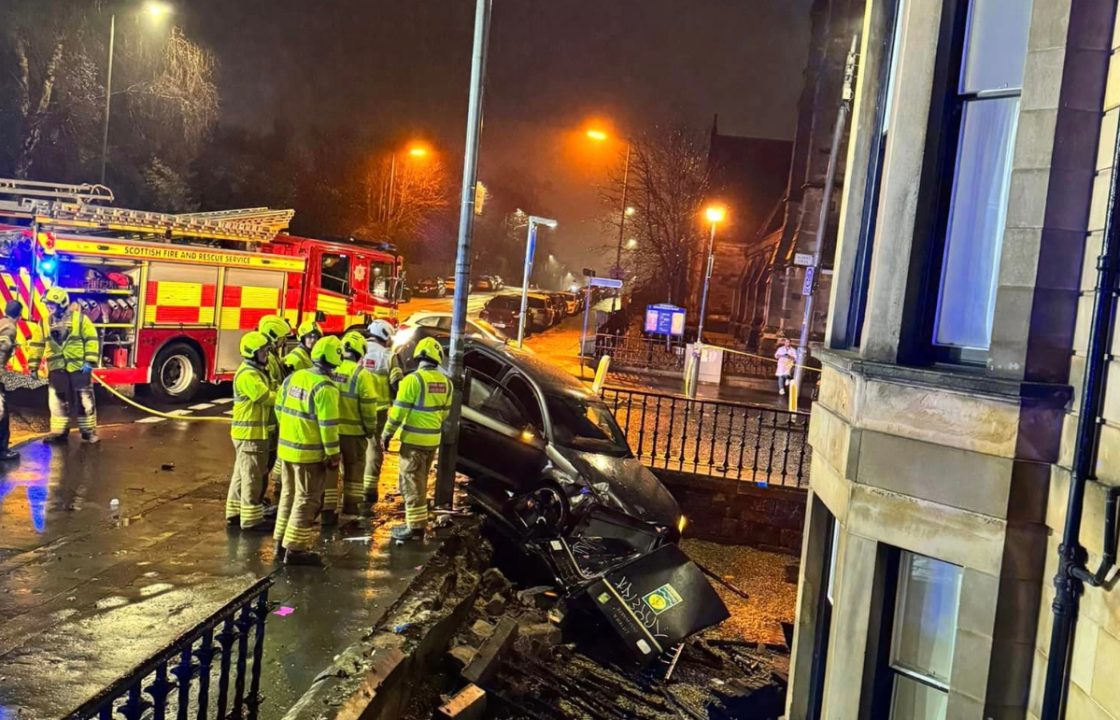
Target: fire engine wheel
176,373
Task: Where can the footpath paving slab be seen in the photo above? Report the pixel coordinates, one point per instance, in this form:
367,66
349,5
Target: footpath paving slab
88,592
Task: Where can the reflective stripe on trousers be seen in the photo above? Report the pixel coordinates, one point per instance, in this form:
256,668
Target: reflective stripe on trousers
415,464
71,392
352,469
246,482
301,490
375,455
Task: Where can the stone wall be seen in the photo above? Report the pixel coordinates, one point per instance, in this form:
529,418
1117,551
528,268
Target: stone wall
739,513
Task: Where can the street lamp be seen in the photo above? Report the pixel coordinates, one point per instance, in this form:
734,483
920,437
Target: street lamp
530,248
602,136
715,214
156,11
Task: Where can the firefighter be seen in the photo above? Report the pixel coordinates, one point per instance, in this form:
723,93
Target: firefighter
307,408
358,405
253,398
383,366
68,340
307,335
9,336
418,413
277,330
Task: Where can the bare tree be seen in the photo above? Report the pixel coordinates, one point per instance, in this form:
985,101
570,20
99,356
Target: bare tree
401,197
164,97
667,185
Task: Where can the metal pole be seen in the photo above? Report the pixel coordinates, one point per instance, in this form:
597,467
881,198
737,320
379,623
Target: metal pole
389,194
698,346
108,96
445,474
622,222
822,220
583,333
530,248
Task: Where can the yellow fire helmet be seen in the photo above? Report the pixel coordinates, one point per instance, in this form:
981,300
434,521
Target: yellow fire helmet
328,351
274,327
252,342
355,342
57,295
308,327
429,349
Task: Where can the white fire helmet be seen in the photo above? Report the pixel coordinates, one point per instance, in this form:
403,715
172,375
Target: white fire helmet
382,330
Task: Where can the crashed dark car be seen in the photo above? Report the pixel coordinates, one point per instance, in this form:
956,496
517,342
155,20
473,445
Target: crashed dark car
553,471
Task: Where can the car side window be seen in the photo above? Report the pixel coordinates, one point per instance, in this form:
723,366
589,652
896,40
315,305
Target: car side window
483,364
429,321
520,388
443,323
485,395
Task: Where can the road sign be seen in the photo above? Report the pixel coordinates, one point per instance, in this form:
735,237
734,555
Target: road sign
589,272
604,282
803,259
807,287
664,319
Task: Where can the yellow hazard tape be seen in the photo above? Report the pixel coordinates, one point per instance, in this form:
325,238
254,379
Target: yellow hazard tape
157,413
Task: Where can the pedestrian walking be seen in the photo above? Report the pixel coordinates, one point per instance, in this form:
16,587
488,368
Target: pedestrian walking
253,399
418,413
357,421
307,409
307,334
385,369
68,340
9,336
786,356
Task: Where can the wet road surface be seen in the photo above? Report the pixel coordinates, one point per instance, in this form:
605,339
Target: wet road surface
89,588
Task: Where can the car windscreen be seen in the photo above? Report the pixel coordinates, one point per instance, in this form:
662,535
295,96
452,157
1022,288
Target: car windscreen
505,302
585,424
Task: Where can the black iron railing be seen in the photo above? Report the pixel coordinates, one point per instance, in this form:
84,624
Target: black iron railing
213,671
635,351
714,437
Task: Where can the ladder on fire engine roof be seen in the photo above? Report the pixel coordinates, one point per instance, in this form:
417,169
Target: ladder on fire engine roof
61,206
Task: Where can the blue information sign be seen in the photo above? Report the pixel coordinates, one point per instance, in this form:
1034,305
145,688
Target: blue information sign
664,319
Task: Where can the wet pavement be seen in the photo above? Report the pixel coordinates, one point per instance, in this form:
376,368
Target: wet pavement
89,588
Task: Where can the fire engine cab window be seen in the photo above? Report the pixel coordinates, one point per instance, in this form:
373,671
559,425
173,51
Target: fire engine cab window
335,275
380,279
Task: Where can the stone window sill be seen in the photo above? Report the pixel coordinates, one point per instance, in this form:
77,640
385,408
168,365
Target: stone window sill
972,381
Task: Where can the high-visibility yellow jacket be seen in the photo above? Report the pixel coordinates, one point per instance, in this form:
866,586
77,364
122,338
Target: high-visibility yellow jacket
357,405
421,405
307,408
385,368
253,399
298,359
67,342
275,368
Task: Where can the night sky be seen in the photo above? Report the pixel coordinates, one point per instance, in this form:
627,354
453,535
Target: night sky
403,66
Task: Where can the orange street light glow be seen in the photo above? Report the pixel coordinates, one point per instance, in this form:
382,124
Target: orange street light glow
598,135
417,151
716,214
157,9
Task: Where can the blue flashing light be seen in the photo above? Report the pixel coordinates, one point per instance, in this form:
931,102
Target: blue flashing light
48,265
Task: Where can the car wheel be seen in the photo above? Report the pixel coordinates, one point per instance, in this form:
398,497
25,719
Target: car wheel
176,373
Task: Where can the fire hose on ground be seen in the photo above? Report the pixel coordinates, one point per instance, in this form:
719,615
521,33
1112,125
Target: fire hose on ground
170,416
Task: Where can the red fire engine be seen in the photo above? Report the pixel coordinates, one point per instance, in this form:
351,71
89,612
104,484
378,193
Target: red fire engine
171,295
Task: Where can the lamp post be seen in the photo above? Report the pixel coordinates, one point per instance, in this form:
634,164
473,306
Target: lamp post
530,249
155,10
715,214
626,211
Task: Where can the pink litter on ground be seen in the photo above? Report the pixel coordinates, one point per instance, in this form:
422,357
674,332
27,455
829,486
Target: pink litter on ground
284,610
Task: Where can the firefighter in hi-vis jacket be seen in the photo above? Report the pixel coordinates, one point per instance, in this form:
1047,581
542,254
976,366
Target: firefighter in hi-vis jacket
68,340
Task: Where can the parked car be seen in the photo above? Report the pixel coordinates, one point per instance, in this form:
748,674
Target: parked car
542,312
572,301
442,321
449,284
499,283
503,311
559,306
431,287
488,283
